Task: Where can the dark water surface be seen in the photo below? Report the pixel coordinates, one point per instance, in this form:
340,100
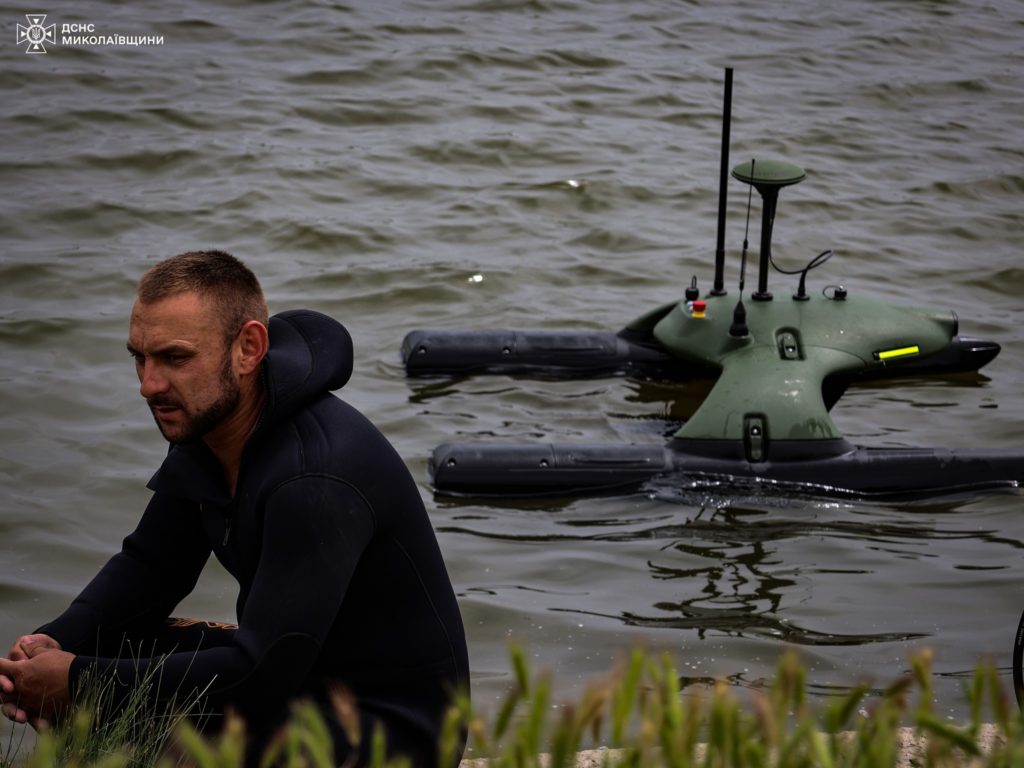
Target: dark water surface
539,165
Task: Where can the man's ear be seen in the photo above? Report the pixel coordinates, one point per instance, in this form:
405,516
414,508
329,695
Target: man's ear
251,347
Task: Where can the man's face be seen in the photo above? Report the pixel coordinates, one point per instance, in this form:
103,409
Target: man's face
184,365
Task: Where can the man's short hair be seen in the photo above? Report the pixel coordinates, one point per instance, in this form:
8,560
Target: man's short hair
236,293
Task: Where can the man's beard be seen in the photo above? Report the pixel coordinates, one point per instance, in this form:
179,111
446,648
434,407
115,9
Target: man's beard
199,424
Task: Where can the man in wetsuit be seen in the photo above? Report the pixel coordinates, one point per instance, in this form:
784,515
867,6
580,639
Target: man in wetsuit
304,502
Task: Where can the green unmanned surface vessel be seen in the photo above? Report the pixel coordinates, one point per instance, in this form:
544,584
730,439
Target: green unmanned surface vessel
781,364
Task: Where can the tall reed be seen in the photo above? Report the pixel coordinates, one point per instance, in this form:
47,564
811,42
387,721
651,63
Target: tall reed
639,713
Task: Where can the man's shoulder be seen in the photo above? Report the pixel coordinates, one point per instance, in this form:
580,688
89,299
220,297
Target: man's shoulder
329,434
329,441
331,415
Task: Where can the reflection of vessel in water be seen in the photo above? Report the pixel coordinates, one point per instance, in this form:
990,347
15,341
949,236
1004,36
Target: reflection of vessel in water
780,365
728,582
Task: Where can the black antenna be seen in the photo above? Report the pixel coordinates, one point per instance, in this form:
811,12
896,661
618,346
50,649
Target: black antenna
739,329
723,181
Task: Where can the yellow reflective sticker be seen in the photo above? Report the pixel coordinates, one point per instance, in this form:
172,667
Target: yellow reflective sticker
889,354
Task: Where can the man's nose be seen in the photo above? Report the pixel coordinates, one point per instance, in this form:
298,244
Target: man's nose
152,381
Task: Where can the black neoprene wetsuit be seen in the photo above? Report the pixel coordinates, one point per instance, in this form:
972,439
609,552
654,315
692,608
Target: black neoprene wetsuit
340,575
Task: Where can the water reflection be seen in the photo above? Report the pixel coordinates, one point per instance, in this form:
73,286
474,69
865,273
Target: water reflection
747,568
741,623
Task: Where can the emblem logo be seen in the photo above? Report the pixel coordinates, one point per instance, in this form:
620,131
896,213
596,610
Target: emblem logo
35,34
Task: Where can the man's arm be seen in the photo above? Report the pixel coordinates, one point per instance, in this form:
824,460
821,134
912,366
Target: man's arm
158,565
314,532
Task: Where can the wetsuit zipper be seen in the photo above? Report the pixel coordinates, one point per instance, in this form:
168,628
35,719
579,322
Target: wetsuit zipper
227,512
228,515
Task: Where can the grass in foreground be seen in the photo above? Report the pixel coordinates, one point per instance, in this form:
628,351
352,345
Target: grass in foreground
639,712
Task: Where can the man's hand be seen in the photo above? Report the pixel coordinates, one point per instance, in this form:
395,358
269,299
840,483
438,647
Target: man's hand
32,691
28,646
